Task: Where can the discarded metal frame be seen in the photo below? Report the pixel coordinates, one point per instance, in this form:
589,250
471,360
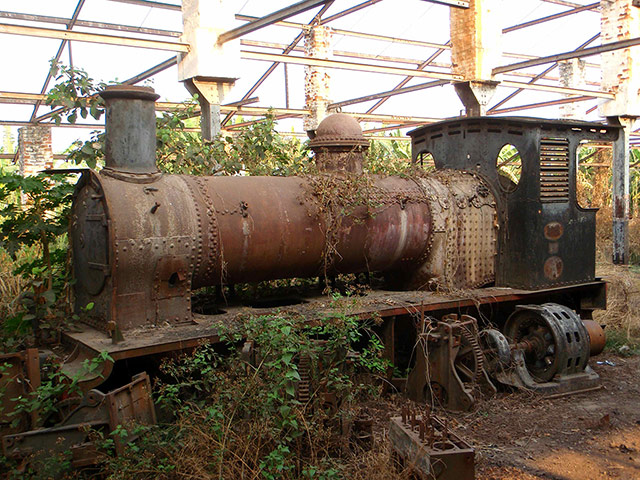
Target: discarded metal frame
128,406
425,444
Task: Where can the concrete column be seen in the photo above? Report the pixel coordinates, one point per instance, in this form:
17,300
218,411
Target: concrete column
209,69
476,49
620,20
317,79
620,193
572,74
34,149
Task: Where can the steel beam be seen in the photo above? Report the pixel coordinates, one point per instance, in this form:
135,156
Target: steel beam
565,3
450,3
149,3
273,66
21,97
161,67
93,38
317,62
56,59
388,93
350,33
554,89
411,73
270,19
586,52
385,58
529,106
348,11
88,24
538,76
56,156
394,127
384,38
407,79
538,21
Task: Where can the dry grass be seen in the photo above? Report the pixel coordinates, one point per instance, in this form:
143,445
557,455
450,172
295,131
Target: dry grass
623,292
623,299
11,286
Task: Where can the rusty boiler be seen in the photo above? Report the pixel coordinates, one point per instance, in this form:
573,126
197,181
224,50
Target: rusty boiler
143,240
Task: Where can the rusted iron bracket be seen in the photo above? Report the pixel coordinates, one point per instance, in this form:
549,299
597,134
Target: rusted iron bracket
126,406
424,444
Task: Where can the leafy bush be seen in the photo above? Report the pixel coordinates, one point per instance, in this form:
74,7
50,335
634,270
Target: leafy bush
250,416
33,224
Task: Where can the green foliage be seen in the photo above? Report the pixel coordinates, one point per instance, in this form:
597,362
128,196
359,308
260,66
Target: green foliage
75,92
90,152
388,157
255,150
234,415
509,164
34,220
260,150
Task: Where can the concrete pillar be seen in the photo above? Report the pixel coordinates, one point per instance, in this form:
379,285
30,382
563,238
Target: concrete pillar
317,79
620,20
572,74
620,193
476,49
34,149
209,69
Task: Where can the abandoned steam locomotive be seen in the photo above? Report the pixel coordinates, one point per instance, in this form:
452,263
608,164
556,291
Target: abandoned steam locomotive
143,241
506,272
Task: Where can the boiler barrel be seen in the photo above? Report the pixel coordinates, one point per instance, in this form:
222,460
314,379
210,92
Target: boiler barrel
247,229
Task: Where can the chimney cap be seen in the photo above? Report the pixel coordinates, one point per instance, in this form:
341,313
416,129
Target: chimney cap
129,91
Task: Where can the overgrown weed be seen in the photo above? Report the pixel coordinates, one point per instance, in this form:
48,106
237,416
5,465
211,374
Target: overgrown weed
279,406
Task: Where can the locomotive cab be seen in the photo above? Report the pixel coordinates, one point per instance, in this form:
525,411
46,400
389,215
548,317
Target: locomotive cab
546,238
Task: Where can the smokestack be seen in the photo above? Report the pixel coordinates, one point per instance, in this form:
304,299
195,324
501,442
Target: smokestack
130,145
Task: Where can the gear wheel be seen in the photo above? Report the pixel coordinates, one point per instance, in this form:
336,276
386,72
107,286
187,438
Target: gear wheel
469,361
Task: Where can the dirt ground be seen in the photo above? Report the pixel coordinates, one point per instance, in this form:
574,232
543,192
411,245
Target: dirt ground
595,435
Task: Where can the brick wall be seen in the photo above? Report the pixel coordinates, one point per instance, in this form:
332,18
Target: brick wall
34,149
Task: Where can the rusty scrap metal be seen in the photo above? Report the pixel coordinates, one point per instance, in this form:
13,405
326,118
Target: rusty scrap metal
19,376
597,337
128,405
425,444
550,349
449,369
